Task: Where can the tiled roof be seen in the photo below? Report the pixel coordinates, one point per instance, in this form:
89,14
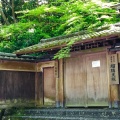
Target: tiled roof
10,56
79,37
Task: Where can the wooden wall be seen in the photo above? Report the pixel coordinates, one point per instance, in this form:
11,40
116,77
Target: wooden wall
85,80
17,83
77,82
82,84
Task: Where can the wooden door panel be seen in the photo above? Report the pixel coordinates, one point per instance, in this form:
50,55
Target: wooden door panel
49,86
97,83
75,82
86,82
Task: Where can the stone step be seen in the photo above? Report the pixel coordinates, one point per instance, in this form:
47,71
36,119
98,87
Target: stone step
114,113
65,114
55,118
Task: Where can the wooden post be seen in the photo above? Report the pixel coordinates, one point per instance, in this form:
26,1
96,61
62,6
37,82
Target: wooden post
114,80
61,83
57,83
109,89
38,87
114,96
118,53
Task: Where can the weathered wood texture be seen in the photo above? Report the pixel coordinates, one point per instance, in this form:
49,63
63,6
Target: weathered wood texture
86,85
113,69
119,75
119,81
49,86
118,57
56,75
61,83
114,93
42,74
75,82
16,66
113,60
41,65
97,81
17,86
39,88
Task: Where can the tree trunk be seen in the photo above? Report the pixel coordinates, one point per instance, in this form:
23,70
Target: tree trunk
13,12
4,17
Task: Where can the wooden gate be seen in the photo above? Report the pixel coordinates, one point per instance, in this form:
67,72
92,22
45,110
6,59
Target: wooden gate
75,82
86,81
49,86
97,82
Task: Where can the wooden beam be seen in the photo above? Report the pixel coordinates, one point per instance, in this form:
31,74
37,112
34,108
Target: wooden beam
89,51
42,65
17,66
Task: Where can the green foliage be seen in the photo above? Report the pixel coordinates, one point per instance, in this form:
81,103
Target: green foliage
64,52
54,19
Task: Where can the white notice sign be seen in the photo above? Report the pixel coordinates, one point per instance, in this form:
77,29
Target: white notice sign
96,63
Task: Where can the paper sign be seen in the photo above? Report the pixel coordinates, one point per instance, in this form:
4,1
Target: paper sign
96,63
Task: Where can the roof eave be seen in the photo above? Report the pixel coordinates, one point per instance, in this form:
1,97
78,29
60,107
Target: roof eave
60,46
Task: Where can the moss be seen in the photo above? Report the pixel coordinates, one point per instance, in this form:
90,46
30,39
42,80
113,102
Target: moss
67,40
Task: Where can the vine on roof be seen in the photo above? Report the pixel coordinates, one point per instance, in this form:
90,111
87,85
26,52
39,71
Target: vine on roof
54,19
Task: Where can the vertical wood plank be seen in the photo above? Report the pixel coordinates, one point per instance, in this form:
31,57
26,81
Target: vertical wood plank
17,87
113,69
118,54
75,82
109,88
39,88
36,89
57,83
61,83
113,60
119,76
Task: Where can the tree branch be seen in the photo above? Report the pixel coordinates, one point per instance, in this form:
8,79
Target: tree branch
7,3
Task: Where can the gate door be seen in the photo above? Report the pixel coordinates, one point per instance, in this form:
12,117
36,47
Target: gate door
75,82
49,86
97,82
86,82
